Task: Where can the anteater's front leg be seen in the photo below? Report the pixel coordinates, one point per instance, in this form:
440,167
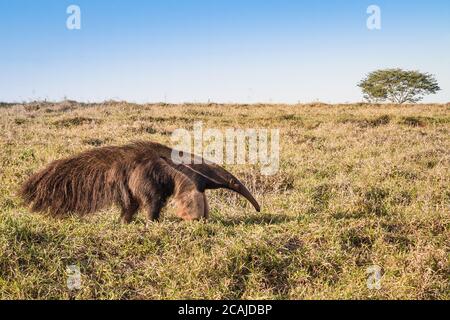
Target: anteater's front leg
150,195
128,211
154,206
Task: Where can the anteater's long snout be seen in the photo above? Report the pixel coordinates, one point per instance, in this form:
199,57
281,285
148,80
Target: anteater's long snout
238,187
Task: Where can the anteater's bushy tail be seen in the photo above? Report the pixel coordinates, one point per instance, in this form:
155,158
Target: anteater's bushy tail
75,185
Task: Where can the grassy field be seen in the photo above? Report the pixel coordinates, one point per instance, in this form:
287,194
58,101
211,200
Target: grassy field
359,185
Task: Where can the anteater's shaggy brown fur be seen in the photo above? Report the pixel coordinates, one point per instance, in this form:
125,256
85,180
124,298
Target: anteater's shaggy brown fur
139,175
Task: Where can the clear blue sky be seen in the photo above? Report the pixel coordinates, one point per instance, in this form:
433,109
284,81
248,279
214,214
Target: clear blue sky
218,50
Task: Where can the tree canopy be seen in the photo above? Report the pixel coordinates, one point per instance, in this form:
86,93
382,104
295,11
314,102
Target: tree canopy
398,86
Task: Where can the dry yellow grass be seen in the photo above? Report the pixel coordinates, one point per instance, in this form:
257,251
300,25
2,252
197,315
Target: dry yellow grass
359,185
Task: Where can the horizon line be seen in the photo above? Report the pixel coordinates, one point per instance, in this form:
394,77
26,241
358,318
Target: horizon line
110,101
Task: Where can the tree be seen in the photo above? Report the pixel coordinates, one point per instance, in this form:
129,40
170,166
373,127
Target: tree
398,86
